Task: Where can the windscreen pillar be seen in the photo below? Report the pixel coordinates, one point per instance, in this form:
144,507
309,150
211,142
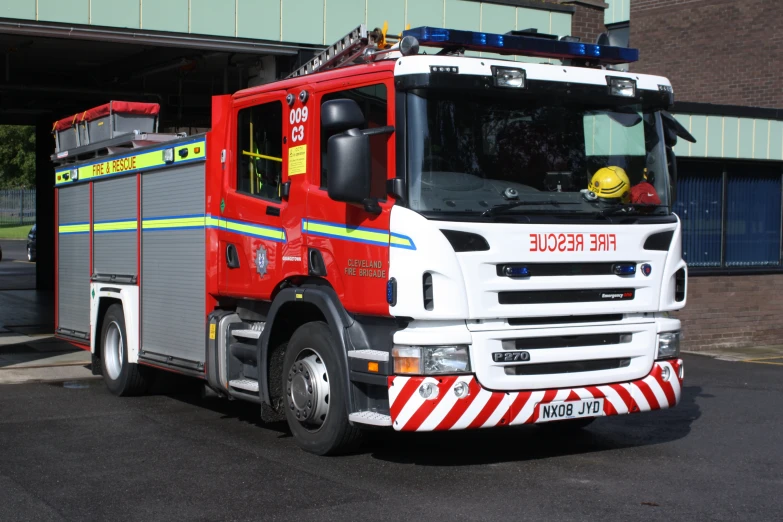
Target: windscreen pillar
44,205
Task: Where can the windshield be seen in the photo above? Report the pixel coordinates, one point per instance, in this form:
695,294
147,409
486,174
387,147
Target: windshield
473,153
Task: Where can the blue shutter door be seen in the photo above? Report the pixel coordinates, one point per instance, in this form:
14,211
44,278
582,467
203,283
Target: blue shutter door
699,201
753,220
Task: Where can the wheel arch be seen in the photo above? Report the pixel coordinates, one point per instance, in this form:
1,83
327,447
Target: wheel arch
105,295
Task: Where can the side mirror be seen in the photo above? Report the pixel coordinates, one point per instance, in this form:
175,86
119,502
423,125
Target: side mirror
340,115
349,167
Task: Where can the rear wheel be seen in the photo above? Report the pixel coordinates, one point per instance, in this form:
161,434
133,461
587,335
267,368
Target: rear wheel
314,393
121,377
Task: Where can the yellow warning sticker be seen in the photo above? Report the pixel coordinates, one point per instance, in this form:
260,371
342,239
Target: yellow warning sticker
297,160
212,332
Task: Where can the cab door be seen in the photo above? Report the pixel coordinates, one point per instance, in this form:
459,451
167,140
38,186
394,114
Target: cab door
253,208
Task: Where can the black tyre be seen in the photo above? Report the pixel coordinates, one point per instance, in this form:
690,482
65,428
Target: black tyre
314,393
567,426
121,377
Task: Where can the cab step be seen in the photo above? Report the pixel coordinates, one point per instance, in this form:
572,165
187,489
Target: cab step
244,384
370,417
247,333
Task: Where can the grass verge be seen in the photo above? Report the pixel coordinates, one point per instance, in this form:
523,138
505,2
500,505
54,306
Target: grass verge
14,231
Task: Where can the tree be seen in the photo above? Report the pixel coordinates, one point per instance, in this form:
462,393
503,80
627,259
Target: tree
17,157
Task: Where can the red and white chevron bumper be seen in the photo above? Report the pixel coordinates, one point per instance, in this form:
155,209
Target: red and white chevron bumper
481,408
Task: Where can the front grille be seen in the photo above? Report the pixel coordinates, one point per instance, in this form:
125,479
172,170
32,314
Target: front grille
565,319
570,341
568,367
563,269
566,296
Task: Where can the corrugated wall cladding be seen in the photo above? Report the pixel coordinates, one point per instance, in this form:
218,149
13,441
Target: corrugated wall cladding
618,11
73,253
173,264
301,21
730,137
753,221
699,203
114,200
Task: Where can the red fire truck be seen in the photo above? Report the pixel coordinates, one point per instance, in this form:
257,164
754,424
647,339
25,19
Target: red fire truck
389,238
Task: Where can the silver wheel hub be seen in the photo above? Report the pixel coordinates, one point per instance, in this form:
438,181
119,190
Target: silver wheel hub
113,348
307,389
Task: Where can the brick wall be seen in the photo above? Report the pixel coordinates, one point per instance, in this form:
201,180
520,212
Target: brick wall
588,19
733,312
713,51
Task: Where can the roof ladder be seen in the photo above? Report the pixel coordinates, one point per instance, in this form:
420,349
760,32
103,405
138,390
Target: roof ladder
343,52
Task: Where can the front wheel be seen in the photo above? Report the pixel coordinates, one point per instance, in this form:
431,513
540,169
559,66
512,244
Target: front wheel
121,377
315,394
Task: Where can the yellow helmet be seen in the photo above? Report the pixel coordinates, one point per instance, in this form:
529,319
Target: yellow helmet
611,183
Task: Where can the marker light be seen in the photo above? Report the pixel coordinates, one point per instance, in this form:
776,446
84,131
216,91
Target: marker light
521,45
516,271
168,155
74,174
622,87
622,269
509,77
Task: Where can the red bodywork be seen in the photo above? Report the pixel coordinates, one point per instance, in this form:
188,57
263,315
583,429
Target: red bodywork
288,260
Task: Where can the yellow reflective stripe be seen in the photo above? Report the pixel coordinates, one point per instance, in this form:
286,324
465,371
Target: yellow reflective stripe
253,230
341,231
152,224
133,163
115,226
399,241
73,229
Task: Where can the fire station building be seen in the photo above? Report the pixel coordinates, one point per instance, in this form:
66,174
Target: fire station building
62,56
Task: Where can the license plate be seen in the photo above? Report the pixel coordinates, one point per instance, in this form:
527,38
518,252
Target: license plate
570,410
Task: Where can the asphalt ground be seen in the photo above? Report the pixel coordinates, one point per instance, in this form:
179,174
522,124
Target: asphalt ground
16,273
72,451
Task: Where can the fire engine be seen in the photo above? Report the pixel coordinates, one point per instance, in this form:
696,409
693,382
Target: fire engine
421,232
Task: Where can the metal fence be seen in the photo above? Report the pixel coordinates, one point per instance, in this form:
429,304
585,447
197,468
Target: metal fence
17,207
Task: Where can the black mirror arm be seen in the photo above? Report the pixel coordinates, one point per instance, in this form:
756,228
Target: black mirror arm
371,205
387,129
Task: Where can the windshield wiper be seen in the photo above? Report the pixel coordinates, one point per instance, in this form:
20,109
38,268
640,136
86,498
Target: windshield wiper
508,206
628,209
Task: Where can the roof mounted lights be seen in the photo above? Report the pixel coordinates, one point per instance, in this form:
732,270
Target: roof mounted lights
528,45
512,77
625,87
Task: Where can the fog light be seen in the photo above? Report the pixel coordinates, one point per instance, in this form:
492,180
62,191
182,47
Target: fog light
461,390
681,371
428,391
509,77
626,338
666,373
625,87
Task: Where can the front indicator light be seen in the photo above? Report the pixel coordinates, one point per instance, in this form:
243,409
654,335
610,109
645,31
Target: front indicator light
668,345
431,360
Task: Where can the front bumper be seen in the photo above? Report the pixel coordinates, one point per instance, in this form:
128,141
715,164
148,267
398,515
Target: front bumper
483,408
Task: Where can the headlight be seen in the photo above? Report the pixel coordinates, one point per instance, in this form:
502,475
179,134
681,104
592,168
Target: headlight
431,360
668,345
622,87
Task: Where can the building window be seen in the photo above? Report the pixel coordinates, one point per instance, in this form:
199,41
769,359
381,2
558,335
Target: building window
372,101
730,213
260,154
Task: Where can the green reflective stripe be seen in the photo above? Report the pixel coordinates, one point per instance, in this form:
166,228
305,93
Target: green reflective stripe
74,229
115,226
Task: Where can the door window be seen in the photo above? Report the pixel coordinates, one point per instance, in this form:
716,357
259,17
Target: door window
260,150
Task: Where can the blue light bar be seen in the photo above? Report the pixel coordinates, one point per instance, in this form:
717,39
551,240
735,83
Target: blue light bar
522,45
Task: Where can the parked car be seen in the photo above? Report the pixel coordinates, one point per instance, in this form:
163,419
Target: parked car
31,244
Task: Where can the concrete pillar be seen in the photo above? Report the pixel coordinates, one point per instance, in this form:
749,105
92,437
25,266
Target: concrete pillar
44,204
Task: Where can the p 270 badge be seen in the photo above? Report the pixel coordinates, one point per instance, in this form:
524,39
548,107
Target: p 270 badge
511,356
